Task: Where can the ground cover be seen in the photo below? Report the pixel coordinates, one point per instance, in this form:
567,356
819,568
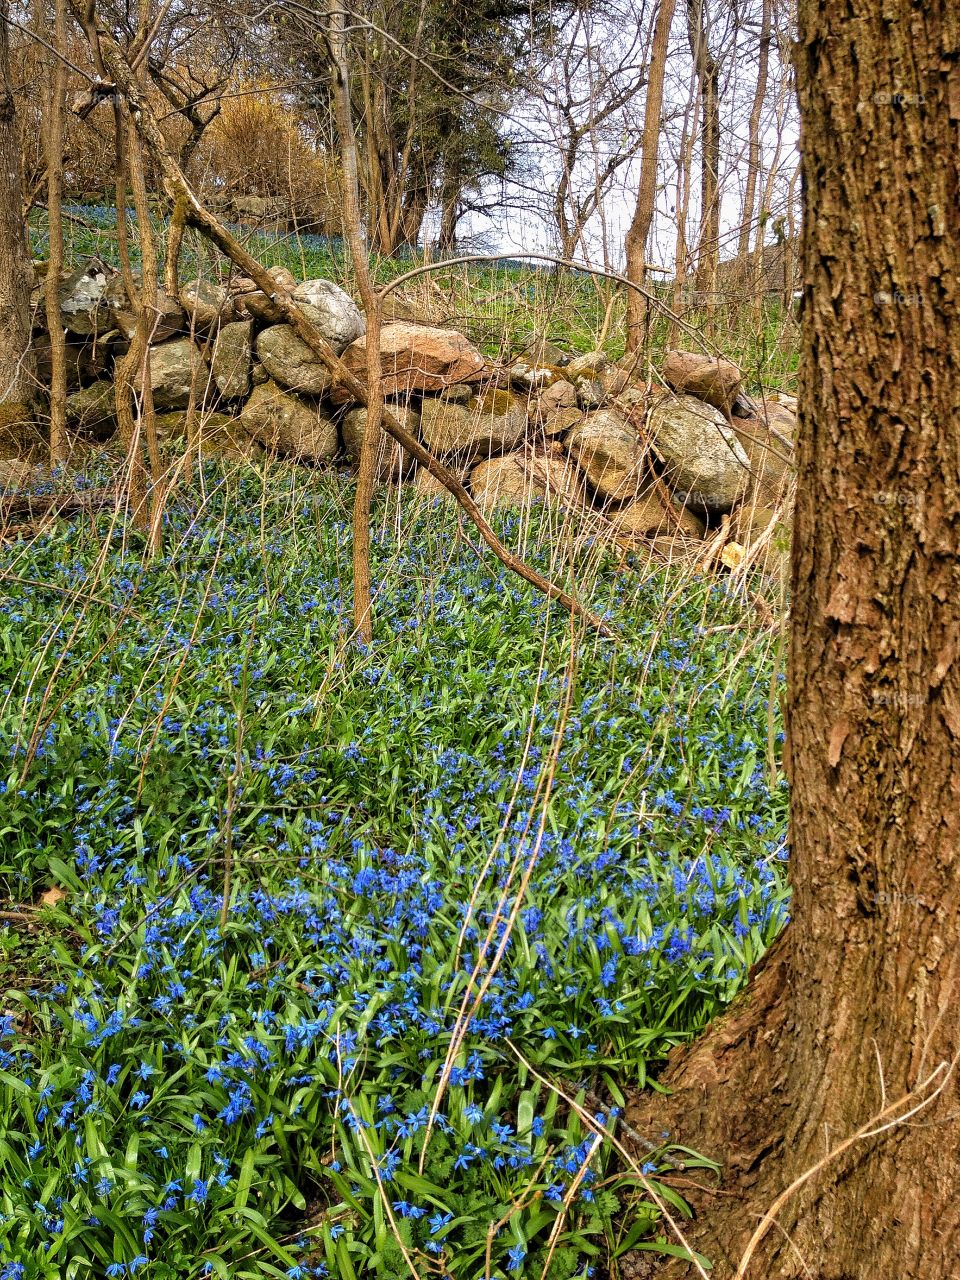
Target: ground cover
191,1089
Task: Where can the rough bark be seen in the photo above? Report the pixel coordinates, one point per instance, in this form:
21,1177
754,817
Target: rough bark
857,1004
639,231
16,384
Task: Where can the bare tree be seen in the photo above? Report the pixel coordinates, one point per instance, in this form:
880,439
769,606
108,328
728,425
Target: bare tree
580,104
366,477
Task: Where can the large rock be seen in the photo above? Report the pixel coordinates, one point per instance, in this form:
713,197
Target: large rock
166,317
432,488
704,462
208,305
528,374
768,547
248,299
560,395
393,461
521,478
91,412
173,368
557,421
711,379
332,311
289,424
85,361
291,362
216,434
648,517
586,372
540,349
232,361
83,300
590,365
769,457
632,399
19,429
414,357
609,451
616,377
781,419
256,208
494,422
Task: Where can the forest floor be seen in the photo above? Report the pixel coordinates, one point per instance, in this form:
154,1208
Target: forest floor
337,934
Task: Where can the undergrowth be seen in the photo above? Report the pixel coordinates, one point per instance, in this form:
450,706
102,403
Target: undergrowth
288,863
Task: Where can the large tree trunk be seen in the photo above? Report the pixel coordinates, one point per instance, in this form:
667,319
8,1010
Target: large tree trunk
16,384
857,1005
639,232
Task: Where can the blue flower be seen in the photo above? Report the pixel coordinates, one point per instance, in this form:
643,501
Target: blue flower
515,1257
199,1193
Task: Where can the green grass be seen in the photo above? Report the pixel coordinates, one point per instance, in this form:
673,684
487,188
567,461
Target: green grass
186,1090
500,306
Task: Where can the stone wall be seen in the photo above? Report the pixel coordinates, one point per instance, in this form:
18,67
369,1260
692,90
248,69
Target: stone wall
675,460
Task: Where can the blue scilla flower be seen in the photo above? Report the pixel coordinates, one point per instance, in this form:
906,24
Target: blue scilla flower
199,1193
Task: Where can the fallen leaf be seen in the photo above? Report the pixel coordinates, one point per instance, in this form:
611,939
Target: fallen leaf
733,555
50,897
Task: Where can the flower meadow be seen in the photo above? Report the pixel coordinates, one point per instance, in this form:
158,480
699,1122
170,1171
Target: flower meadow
237,1045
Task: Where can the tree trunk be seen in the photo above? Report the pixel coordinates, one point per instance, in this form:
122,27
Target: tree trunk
367,465
753,140
449,221
855,1011
681,257
16,383
708,78
639,232
53,151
